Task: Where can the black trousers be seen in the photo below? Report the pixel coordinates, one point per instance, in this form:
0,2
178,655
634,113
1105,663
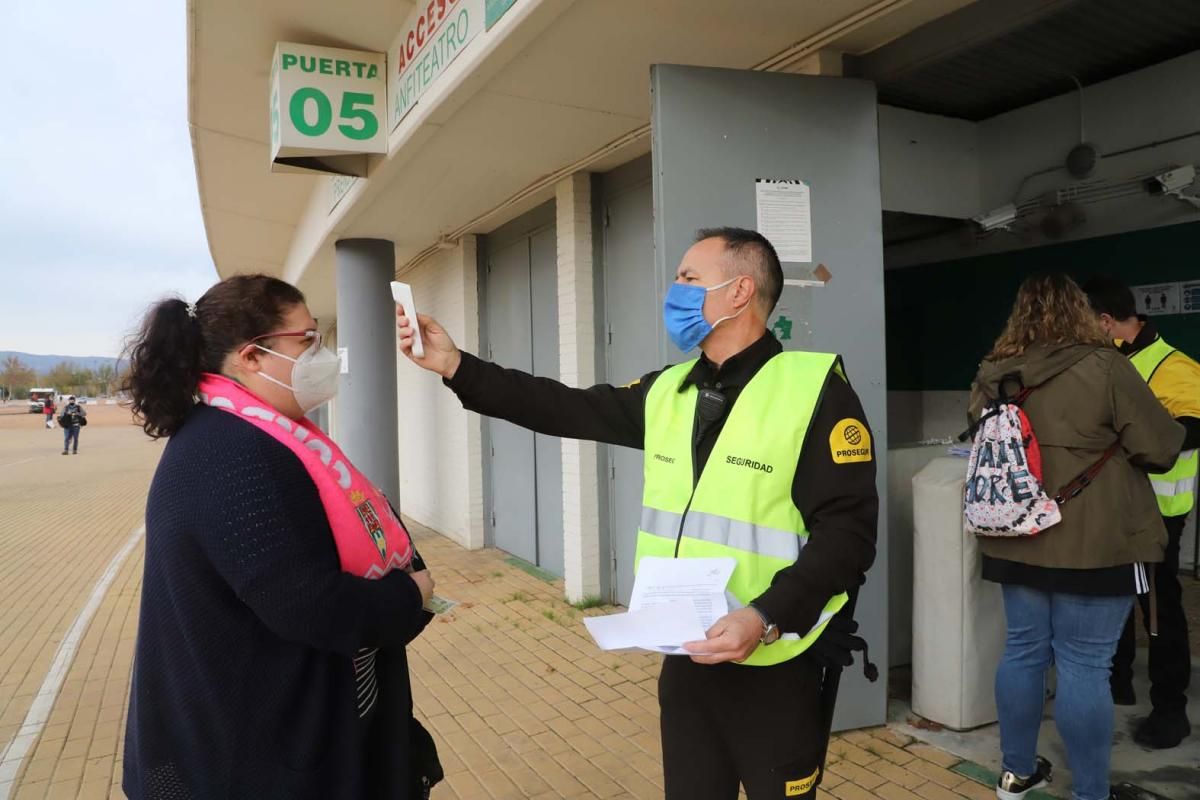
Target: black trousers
727,724
1170,655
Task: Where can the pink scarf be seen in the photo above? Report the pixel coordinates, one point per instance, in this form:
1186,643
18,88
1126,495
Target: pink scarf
370,540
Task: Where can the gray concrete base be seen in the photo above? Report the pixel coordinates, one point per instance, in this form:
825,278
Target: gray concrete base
1173,773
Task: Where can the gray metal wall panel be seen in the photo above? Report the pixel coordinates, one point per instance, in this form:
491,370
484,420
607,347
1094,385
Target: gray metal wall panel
543,270
523,226
520,311
510,343
603,466
633,318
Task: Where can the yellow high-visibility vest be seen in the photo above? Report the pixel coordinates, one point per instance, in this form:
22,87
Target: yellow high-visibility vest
742,504
1176,488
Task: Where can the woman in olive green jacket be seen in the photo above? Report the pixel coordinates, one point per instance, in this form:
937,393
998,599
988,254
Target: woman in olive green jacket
1069,589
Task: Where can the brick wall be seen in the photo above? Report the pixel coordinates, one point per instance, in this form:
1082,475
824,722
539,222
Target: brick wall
577,367
441,469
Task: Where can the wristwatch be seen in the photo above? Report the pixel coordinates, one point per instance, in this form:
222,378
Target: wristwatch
770,633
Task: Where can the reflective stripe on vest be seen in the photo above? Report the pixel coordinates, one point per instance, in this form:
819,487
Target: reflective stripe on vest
738,535
1176,488
742,506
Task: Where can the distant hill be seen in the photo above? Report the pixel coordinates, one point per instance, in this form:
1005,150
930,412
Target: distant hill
42,364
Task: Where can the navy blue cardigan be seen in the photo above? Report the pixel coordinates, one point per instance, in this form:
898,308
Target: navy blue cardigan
243,683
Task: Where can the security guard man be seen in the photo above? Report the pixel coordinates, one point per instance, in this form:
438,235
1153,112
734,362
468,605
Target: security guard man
1175,380
750,452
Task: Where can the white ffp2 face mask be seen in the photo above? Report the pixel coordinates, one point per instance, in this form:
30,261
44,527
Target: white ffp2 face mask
314,376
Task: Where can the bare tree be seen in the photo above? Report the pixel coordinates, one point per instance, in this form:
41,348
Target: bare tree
16,376
62,377
106,376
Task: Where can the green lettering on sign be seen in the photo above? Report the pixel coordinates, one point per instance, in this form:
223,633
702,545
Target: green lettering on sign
421,73
783,328
274,116
354,109
370,124
494,10
299,105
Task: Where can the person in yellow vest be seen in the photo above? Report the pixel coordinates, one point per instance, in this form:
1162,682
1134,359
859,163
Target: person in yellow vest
1175,380
750,452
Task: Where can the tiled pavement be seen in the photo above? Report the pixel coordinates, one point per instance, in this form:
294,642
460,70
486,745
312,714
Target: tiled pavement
62,519
524,706
521,703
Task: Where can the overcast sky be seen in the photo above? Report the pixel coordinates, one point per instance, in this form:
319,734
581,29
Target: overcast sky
98,208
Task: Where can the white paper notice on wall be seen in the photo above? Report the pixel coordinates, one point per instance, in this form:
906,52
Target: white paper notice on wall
1157,299
344,357
1190,294
785,217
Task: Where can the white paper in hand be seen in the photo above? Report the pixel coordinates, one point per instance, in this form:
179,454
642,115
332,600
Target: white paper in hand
663,628
700,581
674,601
403,295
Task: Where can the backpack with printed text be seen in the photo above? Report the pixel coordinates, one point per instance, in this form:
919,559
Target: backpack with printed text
1004,495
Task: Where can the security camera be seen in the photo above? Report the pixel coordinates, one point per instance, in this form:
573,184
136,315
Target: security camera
1173,181
1002,217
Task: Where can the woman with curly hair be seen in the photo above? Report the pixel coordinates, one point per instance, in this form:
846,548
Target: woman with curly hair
1068,590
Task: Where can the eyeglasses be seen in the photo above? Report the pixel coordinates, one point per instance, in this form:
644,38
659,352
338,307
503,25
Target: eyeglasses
312,334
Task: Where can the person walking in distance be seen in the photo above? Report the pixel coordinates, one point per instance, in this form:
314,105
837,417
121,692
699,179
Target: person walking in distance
73,418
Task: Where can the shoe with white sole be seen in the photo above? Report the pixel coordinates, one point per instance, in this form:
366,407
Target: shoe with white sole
1014,787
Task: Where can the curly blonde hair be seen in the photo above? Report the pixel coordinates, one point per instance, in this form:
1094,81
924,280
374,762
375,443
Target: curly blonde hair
1050,309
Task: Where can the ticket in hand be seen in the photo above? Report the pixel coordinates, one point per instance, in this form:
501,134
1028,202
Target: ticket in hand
440,605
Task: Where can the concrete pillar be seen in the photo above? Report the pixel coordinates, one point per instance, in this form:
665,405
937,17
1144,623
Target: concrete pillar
366,404
577,367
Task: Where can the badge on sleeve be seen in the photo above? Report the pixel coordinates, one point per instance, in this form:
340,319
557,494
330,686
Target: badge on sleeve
850,442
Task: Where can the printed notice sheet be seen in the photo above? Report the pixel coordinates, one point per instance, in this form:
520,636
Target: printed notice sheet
785,217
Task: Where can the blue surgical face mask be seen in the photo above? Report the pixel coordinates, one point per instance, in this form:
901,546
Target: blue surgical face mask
683,313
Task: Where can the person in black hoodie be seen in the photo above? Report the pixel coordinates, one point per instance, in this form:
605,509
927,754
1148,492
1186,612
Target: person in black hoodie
72,419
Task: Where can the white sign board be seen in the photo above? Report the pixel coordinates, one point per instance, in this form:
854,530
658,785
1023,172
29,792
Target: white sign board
344,357
785,217
435,33
1190,295
326,102
1157,299
339,186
